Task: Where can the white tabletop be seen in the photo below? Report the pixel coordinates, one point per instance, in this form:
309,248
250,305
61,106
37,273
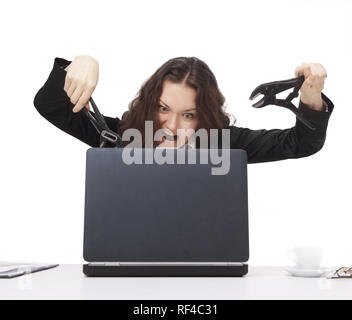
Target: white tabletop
68,282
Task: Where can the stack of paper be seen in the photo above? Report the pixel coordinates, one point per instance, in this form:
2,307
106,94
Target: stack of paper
15,270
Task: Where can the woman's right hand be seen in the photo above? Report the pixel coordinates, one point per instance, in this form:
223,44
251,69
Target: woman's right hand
81,80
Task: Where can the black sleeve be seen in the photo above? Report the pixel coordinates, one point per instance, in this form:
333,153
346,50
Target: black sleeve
272,145
54,105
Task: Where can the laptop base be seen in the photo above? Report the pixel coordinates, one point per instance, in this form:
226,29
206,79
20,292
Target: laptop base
165,271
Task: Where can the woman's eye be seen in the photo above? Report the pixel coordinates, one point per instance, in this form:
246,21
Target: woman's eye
161,108
189,115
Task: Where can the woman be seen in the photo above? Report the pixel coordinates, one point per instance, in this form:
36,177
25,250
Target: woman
183,94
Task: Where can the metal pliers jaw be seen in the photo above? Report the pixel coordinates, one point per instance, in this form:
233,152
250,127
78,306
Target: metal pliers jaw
271,89
99,123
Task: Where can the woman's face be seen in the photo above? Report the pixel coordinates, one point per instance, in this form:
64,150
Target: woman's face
177,110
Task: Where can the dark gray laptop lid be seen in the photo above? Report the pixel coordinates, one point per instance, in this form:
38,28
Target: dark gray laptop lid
164,213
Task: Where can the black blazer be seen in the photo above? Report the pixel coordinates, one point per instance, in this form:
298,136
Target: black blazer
261,145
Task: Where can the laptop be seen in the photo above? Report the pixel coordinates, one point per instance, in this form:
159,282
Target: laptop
178,215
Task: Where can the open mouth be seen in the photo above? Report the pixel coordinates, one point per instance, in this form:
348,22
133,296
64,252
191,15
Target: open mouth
173,140
170,139
169,136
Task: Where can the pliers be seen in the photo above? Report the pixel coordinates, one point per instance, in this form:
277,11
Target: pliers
271,89
99,123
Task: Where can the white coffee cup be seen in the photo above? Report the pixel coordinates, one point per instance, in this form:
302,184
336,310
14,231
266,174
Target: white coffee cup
306,257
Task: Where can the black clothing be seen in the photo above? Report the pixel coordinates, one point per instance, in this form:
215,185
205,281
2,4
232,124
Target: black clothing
261,145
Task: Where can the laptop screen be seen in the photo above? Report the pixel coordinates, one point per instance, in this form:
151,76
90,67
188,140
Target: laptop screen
171,212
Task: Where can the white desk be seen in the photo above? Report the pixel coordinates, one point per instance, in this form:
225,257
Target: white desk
68,282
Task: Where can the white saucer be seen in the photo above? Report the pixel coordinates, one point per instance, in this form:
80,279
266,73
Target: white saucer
303,272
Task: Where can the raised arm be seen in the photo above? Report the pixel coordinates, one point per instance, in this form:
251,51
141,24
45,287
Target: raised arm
296,142
55,105
272,145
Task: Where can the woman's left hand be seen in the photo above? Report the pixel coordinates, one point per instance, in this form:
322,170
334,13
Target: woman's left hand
314,77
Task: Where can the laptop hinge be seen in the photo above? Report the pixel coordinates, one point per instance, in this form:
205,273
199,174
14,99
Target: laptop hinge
108,264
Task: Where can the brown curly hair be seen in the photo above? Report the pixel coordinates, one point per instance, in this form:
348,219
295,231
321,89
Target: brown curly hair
188,70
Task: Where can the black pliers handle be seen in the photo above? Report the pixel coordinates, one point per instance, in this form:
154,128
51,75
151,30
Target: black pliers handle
99,123
271,89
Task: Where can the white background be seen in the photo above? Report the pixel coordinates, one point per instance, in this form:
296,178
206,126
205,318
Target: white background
292,202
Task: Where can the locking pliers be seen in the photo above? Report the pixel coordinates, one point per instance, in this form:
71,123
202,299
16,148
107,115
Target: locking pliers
99,123
271,89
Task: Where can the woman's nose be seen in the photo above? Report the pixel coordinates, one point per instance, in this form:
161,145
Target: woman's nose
171,123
